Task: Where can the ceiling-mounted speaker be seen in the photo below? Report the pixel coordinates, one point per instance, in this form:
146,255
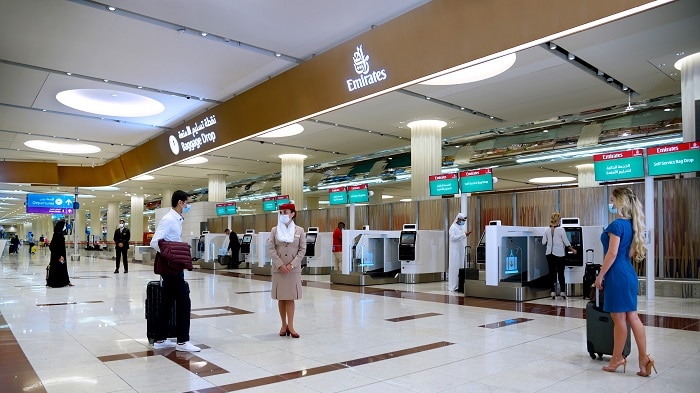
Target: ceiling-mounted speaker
464,155
590,133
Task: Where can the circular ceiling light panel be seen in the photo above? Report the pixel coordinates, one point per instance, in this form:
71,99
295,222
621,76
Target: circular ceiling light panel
103,188
552,179
62,146
292,129
110,102
474,73
195,161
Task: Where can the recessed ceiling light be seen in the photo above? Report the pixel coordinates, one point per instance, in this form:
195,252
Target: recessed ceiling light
552,179
405,200
292,129
62,147
110,102
143,177
204,34
111,8
195,161
385,196
475,73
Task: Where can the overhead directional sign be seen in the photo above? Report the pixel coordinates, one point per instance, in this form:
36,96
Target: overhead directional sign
337,196
619,165
358,194
271,204
673,159
226,209
476,180
447,184
50,203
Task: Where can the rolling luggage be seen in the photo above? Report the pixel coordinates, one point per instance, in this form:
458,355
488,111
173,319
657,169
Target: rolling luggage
154,308
590,273
468,272
599,331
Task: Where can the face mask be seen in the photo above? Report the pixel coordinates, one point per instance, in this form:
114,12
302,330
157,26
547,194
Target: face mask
461,223
612,209
121,225
186,209
285,219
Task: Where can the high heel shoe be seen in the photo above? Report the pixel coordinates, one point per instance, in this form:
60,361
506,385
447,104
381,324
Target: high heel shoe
294,335
563,295
284,332
553,295
647,367
612,367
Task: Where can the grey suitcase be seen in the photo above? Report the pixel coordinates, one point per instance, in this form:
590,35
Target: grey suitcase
599,331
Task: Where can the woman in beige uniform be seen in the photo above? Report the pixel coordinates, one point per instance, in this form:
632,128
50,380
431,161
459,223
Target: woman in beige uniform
287,246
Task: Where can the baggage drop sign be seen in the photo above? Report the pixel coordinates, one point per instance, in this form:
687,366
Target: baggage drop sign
673,159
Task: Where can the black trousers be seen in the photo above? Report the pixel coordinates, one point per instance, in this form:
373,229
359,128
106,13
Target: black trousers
556,270
175,289
121,252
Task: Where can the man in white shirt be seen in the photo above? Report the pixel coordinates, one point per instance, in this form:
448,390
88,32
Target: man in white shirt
174,285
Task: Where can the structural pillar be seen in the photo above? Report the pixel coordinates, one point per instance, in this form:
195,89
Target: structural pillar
136,221
690,95
586,176
80,225
167,195
426,155
217,187
95,222
293,178
112,219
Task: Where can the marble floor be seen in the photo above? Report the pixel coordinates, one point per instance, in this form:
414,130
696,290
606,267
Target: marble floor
390,338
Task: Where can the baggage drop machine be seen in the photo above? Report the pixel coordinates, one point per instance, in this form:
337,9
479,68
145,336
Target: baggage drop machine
422,255
317,259
369,258
212,245
261,262
246,251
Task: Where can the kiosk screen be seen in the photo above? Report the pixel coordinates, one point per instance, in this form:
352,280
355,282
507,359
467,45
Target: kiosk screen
311,237
408,238
247,239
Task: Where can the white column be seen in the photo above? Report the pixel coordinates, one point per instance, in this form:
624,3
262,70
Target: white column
217,187
112,219
690,92
426,155
167,195
136,221
586,176
80,224
95,223
293,178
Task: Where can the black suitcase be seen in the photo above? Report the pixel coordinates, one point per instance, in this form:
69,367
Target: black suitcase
590,273
154,307
468,272
599,331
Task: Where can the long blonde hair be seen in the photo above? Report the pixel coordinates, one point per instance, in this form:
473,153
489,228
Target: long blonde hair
628,206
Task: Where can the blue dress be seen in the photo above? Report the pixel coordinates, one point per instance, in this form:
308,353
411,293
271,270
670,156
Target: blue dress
621,283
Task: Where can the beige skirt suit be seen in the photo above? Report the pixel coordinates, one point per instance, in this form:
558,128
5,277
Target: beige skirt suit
286,287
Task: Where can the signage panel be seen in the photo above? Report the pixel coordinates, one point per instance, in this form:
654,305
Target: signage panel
476,180
673,159
271,204
231,208
50,203
358,194
337,196
220,209
619,165
447,184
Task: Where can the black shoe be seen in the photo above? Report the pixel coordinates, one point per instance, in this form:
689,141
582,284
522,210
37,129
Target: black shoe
125,272
116,271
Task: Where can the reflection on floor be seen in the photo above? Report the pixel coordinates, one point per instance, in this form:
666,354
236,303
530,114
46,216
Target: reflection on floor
388,338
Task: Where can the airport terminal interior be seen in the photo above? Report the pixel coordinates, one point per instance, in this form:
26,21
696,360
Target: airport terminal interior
347,109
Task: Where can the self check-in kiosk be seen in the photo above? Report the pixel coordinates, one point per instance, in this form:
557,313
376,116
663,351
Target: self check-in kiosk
211,244
422,255
369,258
317,259
261,263
246,241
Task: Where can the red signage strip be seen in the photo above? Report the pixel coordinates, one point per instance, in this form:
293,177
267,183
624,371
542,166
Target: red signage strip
442,177
272,198
277,198
475,172
337,189
673,148
618,155
360,187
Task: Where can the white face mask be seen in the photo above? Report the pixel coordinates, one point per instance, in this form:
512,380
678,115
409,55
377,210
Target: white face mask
121,225
285,219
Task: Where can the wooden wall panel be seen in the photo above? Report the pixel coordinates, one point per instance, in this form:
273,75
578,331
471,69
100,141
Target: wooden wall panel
362,216
431,214
336,215
401,213
534,208
497,207
319,218
589,204
681,228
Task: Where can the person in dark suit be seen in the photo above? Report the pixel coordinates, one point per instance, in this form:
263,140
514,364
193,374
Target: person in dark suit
121,242
234,246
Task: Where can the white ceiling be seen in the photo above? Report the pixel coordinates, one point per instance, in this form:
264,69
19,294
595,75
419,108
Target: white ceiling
139,45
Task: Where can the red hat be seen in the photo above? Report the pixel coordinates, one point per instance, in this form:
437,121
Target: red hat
289,206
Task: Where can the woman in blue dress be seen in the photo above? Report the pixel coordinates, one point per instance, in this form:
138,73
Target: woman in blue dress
622,240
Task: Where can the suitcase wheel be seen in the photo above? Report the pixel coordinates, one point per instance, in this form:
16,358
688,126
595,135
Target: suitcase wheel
592,355
600,356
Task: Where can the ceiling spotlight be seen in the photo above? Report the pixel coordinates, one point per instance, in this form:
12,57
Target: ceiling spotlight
106,80
625,88
571,56
552,46
600,73
111,8
204,34
69,73
545,130
278,54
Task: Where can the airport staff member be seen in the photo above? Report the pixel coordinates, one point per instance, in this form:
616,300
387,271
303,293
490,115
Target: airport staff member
458,244
338,247
121,245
